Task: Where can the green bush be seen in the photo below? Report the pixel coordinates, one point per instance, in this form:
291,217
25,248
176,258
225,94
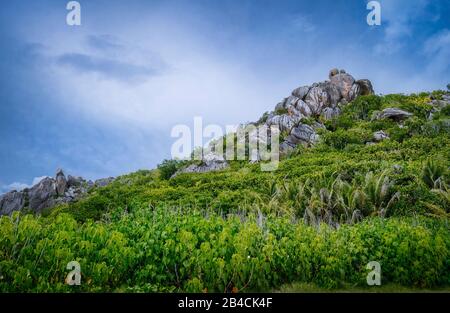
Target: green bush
171,250
168,167
341,137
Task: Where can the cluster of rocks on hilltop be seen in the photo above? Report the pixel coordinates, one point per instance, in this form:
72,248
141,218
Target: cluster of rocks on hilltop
319,99
297,116
324,98
48,193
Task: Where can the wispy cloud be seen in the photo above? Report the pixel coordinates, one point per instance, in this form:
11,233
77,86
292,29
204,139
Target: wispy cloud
302,23
398,19
437,50
20,186
104,42
109,68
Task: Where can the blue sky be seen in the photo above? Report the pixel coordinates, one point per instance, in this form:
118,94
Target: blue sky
100,99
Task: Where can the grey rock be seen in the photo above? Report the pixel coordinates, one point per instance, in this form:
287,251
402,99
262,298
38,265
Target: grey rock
61,182
355,91
397,168
334,94
366,87
280,105
329,113
73,181
204,167
446,97
304,108
286,148
344,83
48,193
394,114
102,182
322,98
43,195
293,111
333,72
285,122
301,92
316,99
323,95
291,101
380,135
11,201
302,133
440,104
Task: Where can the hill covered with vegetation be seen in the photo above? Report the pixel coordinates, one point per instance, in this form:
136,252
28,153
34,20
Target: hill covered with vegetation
328,210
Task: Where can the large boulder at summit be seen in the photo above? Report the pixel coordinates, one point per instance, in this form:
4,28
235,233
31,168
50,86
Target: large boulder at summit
322,95
48,193
344,83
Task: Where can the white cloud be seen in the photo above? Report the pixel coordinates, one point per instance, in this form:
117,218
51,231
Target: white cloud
14,186
302,23
397,18
20,186
195,80
37,180
437,50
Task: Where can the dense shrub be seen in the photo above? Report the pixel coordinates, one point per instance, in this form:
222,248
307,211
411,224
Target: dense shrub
168,167
341,138
171,250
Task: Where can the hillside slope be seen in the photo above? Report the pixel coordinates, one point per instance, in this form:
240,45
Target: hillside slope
373,188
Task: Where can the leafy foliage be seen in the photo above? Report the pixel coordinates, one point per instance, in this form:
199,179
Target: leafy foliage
163,249
168,167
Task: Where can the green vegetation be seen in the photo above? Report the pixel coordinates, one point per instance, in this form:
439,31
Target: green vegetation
316,221
170,250
169,167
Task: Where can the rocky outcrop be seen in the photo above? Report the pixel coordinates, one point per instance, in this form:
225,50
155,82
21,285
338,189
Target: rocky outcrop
210,162
43,195
203,167
320,99
103,181
61,182
293,115
48,193
394,114
11,201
